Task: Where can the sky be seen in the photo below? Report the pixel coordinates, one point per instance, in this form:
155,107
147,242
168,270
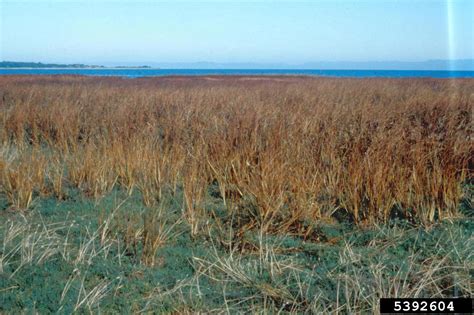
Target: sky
277,32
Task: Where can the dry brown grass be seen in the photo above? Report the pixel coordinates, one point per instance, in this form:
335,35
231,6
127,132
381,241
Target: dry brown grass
282,150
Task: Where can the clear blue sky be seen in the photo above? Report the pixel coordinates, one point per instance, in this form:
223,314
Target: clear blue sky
225,31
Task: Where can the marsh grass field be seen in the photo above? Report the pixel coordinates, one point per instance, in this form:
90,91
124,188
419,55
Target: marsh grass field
233,194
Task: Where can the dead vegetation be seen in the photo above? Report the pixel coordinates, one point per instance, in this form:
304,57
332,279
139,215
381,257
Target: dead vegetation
282,150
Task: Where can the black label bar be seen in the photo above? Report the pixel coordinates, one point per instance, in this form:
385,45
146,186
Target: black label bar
427,306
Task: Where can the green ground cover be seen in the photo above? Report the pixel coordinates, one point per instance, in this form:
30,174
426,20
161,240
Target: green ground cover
89,256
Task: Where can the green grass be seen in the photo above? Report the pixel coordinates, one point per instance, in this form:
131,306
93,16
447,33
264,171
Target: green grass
76,255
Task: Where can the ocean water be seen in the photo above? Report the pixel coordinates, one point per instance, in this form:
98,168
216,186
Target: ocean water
134,73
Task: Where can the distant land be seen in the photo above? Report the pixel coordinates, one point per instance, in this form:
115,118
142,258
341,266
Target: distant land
428,65
16,64
40,65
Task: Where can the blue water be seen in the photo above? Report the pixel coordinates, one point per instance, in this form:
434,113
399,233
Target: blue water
166,72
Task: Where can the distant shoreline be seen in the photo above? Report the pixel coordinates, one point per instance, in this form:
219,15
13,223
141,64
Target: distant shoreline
78,68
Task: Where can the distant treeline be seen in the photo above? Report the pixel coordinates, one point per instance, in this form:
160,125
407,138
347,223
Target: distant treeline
15,64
